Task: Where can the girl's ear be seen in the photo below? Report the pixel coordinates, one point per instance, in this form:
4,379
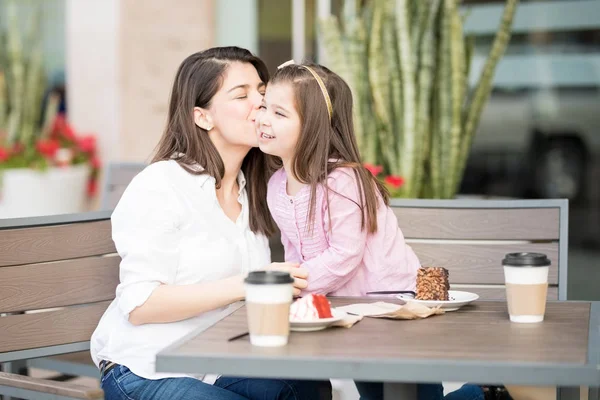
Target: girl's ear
203,119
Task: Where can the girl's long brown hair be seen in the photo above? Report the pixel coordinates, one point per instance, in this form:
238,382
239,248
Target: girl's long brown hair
325,145
198,79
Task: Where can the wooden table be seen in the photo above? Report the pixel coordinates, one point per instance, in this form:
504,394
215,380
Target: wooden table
477,343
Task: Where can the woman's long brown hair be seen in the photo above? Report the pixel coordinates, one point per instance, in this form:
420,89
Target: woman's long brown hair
325,145
198,79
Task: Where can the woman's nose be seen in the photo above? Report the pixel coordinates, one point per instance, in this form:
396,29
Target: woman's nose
256,99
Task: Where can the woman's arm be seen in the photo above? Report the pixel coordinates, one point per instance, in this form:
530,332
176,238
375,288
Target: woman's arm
171,303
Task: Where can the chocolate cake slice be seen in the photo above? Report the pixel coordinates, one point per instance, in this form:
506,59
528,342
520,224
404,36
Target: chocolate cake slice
432,283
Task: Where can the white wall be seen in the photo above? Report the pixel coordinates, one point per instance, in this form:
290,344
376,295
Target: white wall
121,57
92,28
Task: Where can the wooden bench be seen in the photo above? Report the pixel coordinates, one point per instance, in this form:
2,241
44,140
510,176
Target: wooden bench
471,237
57,276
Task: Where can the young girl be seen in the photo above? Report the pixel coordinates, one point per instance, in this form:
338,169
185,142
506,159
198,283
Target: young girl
333,214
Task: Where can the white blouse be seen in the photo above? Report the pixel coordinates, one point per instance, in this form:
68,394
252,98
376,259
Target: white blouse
169,228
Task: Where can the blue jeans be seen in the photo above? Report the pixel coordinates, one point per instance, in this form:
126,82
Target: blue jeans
280,389
122,384
429,391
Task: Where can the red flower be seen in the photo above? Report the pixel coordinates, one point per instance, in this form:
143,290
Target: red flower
62,128
87,144
92,188
375,169
48,147
96,163
4,154
69,133
394,181
59,125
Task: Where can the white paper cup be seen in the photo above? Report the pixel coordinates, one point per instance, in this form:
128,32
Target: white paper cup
268,298
526,279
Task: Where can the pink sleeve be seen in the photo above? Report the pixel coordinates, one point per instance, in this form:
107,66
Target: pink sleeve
347,241
291,255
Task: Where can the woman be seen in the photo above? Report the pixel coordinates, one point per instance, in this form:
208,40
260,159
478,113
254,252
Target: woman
188,229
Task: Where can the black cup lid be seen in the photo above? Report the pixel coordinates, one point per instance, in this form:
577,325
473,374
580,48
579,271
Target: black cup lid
526,260
268,278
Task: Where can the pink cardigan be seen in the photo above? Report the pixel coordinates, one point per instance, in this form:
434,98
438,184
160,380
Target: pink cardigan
343,261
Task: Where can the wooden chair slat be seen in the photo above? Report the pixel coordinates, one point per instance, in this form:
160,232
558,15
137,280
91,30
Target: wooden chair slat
479,224
50,328
58,284
51,387
480,263
53,243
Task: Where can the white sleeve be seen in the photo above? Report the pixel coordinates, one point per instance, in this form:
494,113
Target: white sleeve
145,229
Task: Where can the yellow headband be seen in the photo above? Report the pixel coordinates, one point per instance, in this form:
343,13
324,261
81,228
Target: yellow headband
319,82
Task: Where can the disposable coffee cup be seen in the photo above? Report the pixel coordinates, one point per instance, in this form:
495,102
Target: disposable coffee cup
268,298
526,278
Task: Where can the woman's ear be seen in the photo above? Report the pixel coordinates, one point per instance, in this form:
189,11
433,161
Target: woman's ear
202,119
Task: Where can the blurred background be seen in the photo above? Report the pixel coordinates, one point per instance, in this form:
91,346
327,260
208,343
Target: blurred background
106,67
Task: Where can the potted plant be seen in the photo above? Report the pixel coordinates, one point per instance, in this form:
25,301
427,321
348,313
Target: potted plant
407,62
45,166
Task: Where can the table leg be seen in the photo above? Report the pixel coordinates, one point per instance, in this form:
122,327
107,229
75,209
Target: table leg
399,391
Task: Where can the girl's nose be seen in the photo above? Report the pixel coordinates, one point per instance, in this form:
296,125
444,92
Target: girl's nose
262,119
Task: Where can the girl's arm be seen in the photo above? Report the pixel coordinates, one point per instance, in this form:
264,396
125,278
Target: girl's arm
347,241
291,255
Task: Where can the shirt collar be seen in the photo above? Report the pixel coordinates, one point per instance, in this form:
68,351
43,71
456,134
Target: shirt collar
203,178
241,179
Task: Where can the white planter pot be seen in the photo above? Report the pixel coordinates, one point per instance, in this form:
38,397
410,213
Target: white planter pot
27,192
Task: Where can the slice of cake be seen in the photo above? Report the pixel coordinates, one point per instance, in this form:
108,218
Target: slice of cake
432,283
310,307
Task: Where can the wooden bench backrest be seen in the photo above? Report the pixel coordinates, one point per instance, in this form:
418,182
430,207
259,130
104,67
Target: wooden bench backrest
471,237
57,276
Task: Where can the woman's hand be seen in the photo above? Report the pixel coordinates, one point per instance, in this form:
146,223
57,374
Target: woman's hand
295,270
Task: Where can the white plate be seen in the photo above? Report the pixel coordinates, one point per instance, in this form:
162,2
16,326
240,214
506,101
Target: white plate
318,324
457,300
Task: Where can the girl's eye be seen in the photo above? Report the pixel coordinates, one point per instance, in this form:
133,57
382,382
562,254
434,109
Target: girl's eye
262,107
280,114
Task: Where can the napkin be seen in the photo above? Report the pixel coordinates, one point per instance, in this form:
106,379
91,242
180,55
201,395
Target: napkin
348,321
382,309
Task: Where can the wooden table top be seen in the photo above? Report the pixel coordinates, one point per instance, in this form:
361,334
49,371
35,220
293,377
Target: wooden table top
478,334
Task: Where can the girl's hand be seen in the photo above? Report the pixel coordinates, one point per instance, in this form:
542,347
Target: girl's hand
296,271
